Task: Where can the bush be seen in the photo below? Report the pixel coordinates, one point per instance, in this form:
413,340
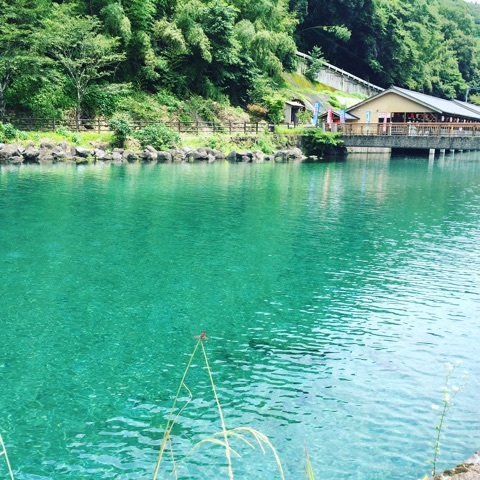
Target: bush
304,117
276,108
265,144
8,132
64,131
257,112
120,125
159,137
317,142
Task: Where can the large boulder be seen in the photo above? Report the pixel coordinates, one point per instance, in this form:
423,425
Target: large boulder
117,158
82,152
294,154
149,154
164,157
129,156
179,155
61,154
99,154
245,157
11,154
258,156
31,154
45,155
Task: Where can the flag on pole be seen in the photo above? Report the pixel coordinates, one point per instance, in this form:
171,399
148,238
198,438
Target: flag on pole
330,116
342,116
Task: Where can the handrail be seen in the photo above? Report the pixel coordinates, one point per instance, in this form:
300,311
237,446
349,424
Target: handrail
407,129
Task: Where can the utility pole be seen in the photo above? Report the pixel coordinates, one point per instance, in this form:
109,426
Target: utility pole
474,89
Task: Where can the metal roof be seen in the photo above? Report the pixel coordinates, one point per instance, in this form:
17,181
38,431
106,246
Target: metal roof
433,104
293,103
469,106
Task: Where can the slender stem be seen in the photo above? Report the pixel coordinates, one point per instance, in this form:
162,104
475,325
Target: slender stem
170,423
220,413
437,442
4,452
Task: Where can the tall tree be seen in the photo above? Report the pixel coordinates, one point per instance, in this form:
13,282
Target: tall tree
73,44
18,20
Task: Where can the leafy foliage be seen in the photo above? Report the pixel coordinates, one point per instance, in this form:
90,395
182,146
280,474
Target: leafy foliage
121,127
159,137
8,132
317,141
315,64
74,44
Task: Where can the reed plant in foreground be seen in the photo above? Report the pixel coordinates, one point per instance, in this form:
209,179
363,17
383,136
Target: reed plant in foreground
222,437
449,393
308,466
3,452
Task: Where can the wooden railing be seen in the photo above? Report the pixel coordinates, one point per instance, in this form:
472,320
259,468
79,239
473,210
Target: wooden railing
408,129
102,126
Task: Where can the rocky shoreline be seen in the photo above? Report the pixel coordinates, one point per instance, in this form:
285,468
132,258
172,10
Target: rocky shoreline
49,153
468,470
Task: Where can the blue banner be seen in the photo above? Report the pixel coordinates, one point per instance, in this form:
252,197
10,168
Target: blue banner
316,112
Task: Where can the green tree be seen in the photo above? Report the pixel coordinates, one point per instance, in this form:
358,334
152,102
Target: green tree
18,20
314,64
74,44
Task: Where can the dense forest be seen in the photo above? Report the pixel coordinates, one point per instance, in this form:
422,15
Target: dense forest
150,57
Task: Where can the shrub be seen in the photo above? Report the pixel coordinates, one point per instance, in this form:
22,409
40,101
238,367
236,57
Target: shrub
317,142
265,144
159,137
64,131
8,132
257,112
120,125
276,106
304,117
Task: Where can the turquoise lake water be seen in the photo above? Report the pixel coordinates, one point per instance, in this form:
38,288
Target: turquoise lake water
333,295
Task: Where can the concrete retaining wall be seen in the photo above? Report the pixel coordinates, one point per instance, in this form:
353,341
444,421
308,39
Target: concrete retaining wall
339,79
412,142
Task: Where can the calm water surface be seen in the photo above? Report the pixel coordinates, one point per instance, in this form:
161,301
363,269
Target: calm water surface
333,295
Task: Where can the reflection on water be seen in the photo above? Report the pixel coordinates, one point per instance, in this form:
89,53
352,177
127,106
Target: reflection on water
332,295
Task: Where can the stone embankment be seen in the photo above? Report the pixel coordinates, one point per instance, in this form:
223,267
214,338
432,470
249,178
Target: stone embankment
468,470
48,153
